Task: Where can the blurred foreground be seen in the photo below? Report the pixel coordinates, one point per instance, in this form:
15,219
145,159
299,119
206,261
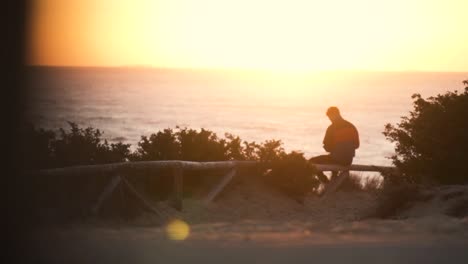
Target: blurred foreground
251,222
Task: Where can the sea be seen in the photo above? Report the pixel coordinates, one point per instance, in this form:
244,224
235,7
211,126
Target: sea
129,102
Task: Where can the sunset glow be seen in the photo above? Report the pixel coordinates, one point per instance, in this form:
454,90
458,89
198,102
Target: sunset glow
289,35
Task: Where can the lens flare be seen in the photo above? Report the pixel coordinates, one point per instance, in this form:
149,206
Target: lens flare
177,230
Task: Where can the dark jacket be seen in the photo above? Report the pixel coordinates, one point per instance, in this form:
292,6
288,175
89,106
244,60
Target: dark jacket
341,140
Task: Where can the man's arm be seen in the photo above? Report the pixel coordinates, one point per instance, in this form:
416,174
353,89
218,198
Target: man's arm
327,140
356,138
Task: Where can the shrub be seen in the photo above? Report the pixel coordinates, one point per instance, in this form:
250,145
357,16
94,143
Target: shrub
201,146
393,199
234,149
192,145
160,146
431,142
352,184
36,147
85,147
290,173
372,184
270,151
459,208
44,149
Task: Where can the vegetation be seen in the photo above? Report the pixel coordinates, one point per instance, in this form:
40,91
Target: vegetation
393,199
44,149
290,172
192,145
459,208
431,145
431,142
354,183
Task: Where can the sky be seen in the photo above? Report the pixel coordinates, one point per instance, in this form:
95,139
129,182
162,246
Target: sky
291,35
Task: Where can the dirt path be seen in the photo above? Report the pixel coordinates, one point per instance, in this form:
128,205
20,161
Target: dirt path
251,223
259,242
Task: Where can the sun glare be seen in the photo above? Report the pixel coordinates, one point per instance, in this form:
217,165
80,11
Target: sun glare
288,35
177,230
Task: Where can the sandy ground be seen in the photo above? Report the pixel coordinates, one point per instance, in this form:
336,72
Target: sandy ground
254,224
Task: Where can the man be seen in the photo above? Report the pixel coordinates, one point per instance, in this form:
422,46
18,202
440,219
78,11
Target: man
341,140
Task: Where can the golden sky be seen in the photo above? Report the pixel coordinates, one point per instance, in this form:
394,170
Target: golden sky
425,35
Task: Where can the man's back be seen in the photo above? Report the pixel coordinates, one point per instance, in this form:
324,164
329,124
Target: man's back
341,140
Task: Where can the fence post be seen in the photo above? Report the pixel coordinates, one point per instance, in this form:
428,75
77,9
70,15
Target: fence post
178,188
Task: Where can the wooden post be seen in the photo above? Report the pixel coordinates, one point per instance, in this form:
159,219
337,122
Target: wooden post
178,185
106,193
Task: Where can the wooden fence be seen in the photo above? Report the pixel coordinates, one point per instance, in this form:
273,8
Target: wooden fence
178,167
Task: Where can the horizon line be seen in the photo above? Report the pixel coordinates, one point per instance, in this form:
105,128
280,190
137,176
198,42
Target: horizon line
239,69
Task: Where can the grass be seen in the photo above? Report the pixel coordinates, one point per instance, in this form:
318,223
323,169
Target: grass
459,209
393,199
356,183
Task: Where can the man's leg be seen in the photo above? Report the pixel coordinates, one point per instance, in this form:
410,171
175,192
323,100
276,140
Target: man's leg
322,159
334,175
345,162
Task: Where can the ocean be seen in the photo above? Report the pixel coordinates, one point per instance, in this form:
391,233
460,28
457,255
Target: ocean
129,102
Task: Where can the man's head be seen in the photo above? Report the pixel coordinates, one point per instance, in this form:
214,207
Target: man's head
333,113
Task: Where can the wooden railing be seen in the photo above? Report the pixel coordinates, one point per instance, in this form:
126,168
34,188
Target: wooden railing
178,167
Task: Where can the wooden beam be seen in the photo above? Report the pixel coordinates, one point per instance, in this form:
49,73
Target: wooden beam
354,167
178,188
185,165
106,193
145,201
143,165
220,186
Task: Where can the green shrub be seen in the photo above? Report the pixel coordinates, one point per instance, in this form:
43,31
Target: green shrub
431,142
85,147
372,184
394,199
192,145
44,149
36,147
160,146
352,184
270,151
459,208
290,173
201,146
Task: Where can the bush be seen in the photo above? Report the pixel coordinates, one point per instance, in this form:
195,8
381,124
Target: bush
44,149
352,184
192,145
459,209
85,147
290,173
36,147
160,146
431,142
372,184
394,199
201,146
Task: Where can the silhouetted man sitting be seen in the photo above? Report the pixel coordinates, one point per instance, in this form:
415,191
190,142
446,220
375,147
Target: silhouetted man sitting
341,140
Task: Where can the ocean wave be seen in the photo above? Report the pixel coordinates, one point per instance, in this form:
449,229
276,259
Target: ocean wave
119,139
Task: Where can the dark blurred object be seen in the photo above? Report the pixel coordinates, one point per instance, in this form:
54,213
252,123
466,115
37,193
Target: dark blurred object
15,210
